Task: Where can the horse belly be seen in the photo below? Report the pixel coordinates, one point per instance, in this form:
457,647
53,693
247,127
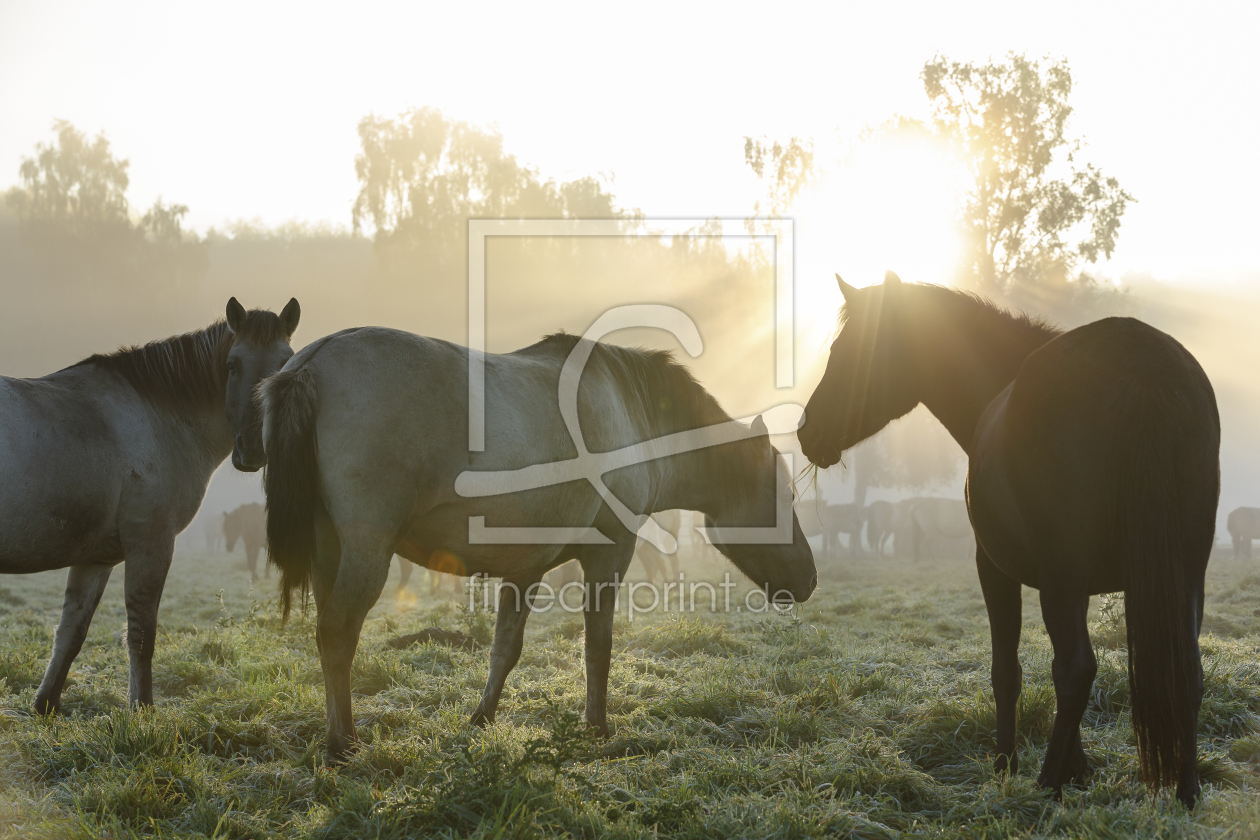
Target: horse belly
444,538
994,511
58,501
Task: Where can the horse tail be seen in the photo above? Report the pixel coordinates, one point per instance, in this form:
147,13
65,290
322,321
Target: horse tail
1160,485
291,478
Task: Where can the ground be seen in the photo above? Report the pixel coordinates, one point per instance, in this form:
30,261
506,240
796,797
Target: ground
867,714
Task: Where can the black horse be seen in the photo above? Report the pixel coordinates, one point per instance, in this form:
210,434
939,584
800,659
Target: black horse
1093,467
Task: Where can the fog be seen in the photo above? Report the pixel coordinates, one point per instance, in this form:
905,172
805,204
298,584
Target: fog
87,266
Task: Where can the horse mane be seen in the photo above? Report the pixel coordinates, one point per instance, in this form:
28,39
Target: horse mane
979,310
669,396
189,370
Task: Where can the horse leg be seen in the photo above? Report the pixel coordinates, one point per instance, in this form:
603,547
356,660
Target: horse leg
1074,668
602,577
84,588
251,556
144,577
1002,598
357,581
516,599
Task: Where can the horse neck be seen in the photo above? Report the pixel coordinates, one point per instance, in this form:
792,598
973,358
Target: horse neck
710,480
702,478
204,427
966,361
201,423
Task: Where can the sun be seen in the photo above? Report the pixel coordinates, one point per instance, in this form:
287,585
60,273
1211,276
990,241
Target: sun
891,204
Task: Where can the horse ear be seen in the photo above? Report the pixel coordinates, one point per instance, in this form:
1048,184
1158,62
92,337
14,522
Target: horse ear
235,315
845,289
289,316
891,279
759,427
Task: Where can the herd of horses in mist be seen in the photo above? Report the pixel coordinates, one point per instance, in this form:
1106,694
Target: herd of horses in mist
1093,468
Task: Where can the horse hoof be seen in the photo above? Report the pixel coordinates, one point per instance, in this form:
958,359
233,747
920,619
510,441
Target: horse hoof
481,719
47,706
339,752
1044,784
1006,764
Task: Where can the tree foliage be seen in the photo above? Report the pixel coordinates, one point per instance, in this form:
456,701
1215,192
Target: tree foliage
422,176
1033,214
74,185
785,169
72,206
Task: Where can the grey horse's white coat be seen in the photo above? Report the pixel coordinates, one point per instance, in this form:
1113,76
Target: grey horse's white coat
366,432
108,460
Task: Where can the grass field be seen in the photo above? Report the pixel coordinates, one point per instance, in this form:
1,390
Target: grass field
867,715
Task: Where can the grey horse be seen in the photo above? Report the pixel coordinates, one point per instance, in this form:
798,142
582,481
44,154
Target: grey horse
367,436
107,461
1244,526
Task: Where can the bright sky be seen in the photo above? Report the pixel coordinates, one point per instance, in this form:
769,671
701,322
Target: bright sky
249,109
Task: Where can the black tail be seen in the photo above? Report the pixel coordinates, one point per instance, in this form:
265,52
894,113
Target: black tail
1166,506
291,478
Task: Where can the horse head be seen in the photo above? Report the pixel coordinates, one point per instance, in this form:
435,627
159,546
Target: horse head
761,498
259,348
867,383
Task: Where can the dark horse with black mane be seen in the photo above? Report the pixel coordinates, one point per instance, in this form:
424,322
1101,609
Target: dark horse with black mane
106,461
1093,467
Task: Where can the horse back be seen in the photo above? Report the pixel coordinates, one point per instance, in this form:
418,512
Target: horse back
392,422
1074,404
1053,447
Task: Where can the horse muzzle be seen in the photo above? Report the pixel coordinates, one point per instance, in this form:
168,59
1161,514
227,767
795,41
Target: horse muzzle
244,459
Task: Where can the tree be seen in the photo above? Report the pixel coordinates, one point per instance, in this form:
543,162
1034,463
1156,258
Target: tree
785,168
422,176
74,215
1032,214
72,187
168,250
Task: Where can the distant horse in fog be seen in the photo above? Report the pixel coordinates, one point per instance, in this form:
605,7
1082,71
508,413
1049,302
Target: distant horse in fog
106,461
367,440
830,521
212,528
436,579
937,520
248,523
1244,526
879,525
